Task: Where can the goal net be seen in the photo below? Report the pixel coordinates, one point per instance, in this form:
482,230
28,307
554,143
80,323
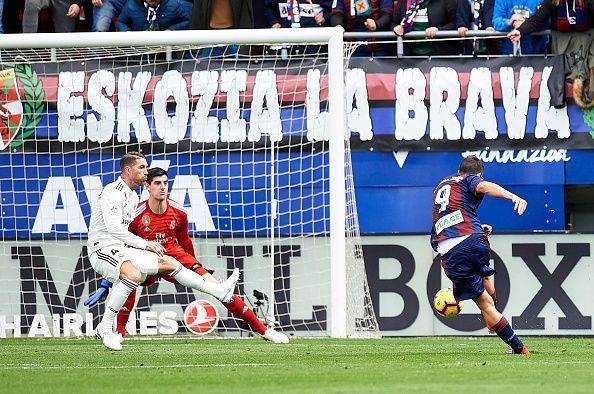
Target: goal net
253,139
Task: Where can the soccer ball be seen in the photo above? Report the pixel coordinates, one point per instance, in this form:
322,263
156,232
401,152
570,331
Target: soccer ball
445,304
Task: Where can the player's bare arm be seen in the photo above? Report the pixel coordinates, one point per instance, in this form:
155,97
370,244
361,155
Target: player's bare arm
494,190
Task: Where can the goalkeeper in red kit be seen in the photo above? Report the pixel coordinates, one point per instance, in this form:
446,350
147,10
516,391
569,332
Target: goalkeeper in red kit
163,220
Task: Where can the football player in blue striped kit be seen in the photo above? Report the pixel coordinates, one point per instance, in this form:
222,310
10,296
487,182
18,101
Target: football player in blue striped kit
461,240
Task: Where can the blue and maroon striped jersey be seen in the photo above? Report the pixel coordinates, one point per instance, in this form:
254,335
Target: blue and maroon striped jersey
455,207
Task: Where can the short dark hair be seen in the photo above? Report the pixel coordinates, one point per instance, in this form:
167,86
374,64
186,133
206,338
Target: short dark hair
155,172
471,165
129,158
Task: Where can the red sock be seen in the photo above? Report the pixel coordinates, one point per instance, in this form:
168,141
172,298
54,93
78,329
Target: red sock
239,309
501,324
124,313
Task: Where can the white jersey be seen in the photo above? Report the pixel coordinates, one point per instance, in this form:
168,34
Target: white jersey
111,214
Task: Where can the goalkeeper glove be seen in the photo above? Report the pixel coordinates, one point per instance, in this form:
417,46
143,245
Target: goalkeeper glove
101,292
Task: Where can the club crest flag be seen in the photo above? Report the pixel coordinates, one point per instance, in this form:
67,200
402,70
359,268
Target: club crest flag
363,8
11,108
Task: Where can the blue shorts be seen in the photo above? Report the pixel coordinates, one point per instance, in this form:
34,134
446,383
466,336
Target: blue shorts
466,264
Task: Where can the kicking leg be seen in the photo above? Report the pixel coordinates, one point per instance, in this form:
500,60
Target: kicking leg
239,309
221,291
490,287
499,323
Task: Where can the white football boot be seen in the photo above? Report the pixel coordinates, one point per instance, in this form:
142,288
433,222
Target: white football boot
275,336
229,286
110,339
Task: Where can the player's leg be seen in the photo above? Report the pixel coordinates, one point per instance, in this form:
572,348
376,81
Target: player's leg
146,263
478,256
467,264
113,265
490,288
130,276
124,313
236,305
221,291
499,323
239,309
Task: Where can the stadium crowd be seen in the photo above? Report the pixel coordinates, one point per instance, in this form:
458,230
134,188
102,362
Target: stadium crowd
519,17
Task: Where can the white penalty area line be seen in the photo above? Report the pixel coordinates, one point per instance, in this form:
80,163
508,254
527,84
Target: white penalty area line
40,366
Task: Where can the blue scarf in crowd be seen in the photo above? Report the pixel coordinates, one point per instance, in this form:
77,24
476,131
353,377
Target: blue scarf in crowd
411,13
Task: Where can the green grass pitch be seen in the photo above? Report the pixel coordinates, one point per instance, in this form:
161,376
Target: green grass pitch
389,365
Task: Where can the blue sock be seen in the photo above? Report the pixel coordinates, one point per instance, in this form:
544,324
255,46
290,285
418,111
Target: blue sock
507,334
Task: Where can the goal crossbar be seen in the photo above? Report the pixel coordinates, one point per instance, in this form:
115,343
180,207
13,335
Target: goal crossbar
164,38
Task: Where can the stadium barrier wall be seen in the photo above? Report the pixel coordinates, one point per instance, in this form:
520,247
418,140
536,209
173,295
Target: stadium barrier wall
543,284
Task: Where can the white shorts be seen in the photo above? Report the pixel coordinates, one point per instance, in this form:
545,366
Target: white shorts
107,261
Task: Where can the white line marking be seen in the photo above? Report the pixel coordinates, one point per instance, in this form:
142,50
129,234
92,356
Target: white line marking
41,366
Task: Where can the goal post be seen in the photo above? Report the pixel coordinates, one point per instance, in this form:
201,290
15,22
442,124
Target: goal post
257,150
336,111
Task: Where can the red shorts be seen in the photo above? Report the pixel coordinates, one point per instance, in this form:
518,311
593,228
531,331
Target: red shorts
187,260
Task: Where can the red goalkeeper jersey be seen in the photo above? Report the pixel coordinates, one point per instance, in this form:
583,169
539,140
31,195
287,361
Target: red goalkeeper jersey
169,228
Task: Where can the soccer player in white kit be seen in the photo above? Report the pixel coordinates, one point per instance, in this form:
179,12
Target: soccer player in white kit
126,259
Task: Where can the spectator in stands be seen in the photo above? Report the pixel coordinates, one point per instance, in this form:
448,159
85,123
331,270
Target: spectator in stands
85,17
571,35
475,15
11,21
509,15
104,12
565,16
363,16
149,15
429,16
222,14
64,14
297,13
260,20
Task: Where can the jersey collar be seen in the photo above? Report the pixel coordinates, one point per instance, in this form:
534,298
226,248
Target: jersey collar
126,187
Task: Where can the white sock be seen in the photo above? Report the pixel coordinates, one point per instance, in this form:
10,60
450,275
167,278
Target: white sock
191,279
119,295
